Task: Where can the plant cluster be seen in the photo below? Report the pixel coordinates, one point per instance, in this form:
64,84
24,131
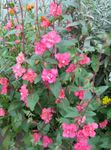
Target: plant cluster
54,78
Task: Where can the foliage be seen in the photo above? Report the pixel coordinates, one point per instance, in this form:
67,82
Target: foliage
60,82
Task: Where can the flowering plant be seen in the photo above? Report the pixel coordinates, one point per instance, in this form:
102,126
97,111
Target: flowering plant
51,93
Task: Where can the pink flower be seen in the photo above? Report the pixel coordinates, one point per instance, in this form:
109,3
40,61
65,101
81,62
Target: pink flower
49,75
55,9
18,70
18,30
103,124
17,41
45,22
89,129
50,39
62,94
20,58
71,68
69,130
80,93
46,115
80,119
36,137
84,59
24,94
2,112
63,59
4,84
80,136
46,141
40,48
29,76
8,25
82,146
81,107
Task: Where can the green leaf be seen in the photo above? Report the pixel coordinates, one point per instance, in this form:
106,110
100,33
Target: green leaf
95,62
32,100
100,90
109,114
11,32
55,88
72,112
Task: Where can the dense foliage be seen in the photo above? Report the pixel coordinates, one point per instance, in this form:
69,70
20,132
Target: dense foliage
55,75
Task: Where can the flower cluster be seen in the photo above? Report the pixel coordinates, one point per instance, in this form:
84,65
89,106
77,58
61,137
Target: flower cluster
49,75
63,59
2,112
24,94
4,84
46,115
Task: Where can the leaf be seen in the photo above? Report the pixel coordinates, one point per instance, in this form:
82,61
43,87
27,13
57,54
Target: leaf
50,60
55,88
32,100
109,114
95,62
88,95
72,112
100,90
11,32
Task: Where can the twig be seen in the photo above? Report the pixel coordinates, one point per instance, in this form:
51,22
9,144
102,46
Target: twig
37,22
23,34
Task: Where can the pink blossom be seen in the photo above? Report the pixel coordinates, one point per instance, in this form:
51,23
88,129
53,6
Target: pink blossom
82,146
46,115
81,107
29,76
50,39
4,84
80,136
69,130
20,58
45,22
89,129
18,70
36,137
40,48
62,94
55,9
80,119
17,41
18,29
71,68
80,94
63,59
2,112
46,141
24,94
9,25
103,124
49,75
84,59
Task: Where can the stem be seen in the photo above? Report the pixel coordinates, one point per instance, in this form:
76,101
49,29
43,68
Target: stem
23,34
37,22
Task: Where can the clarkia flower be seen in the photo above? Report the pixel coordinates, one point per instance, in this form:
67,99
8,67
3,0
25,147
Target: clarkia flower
49,75
55,9
63,59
